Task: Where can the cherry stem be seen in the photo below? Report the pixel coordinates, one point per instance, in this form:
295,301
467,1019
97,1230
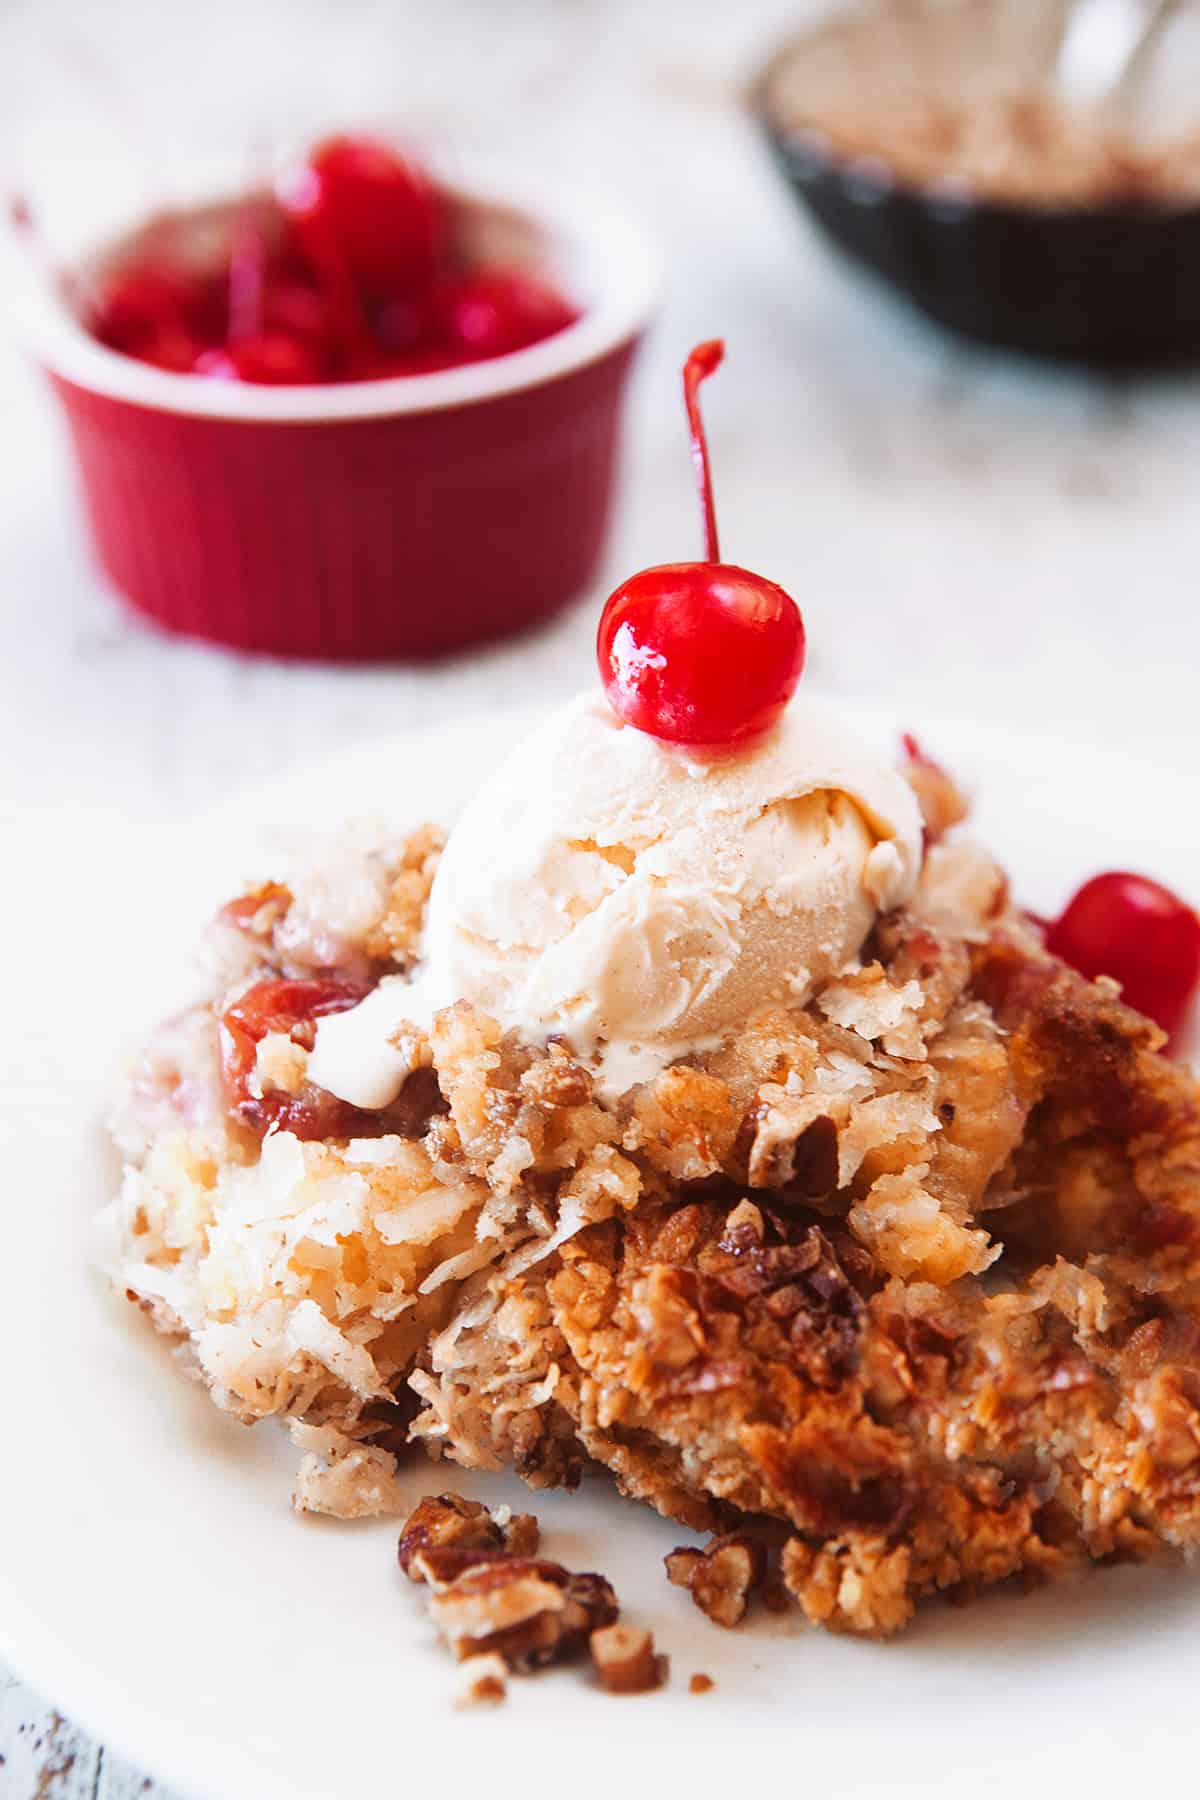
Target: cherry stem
247,274
703,361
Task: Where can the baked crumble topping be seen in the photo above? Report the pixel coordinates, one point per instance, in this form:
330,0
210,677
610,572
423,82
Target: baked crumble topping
907,1272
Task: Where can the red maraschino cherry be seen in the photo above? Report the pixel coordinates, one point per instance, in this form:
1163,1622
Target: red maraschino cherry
701,653
497,311
147,311
352,271
269,359
1139,933
358,201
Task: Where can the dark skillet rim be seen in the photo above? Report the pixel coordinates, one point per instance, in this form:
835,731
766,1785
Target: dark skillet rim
798,145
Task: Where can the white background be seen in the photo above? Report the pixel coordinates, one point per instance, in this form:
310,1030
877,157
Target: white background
966,534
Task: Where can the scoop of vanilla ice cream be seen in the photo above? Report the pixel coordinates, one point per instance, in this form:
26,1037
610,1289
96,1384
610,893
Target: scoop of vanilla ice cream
640,901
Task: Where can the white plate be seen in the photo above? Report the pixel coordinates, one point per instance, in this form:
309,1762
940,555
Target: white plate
154,1583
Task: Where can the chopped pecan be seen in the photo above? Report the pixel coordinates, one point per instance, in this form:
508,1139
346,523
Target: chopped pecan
763,1271
626,1661
743,1228
803,1287
678,1238
522,1534
721,1577
440,1564
556,1080
528,1611
790,1142
483,1680
814,1164
442,1521
490,1597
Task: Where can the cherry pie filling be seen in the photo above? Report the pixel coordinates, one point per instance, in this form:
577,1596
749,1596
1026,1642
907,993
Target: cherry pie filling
353,270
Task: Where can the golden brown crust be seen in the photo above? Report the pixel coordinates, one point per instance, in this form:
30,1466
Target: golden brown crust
727,1358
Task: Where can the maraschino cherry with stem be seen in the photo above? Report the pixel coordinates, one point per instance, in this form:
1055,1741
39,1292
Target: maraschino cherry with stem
705,654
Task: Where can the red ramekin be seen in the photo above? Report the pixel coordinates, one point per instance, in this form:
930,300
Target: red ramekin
374,520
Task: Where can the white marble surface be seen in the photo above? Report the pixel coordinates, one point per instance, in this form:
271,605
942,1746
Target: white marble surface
965,533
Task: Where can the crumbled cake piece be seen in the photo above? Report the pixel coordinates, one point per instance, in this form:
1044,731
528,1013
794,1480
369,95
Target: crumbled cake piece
701,1684
626,1661
722,1576
344,1477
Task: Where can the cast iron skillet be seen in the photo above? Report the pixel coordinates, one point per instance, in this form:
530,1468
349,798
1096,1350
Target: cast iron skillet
1113,285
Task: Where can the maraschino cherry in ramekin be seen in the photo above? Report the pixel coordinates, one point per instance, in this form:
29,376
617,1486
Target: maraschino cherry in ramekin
358,516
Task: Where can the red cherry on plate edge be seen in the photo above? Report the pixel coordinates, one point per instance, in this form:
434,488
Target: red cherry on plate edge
701,653
1139,933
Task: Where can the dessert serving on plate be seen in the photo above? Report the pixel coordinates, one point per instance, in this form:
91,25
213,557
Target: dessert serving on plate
703,1110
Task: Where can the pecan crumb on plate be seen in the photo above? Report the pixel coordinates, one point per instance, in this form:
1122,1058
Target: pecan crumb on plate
483,1680
721,1577
486,1599
626,1661
446,1519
